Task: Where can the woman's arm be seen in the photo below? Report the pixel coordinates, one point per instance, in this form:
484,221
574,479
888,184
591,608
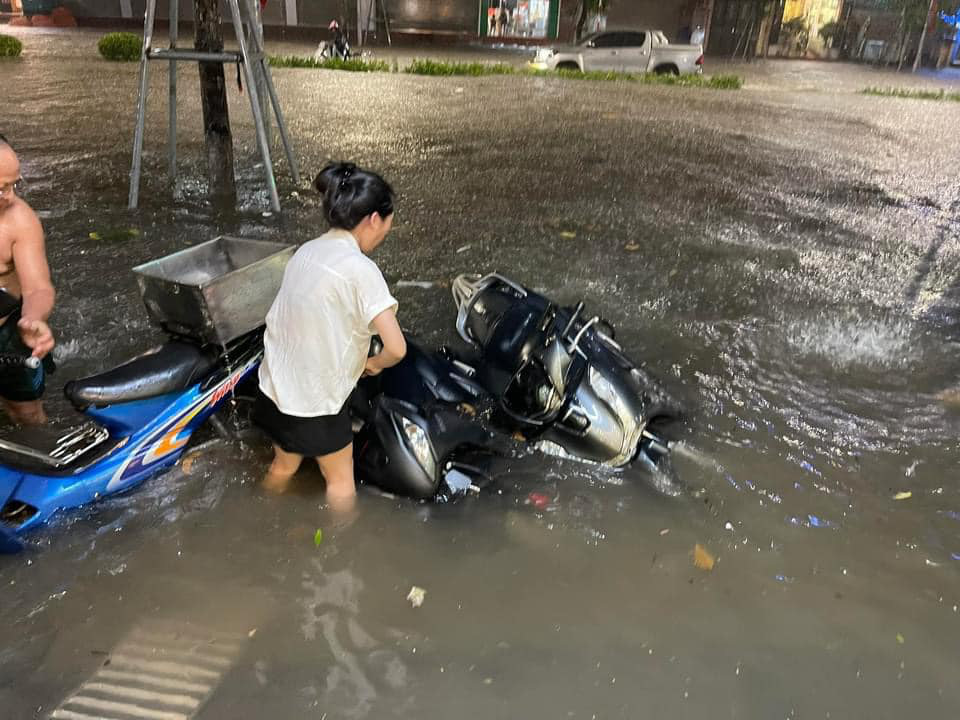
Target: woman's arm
394,344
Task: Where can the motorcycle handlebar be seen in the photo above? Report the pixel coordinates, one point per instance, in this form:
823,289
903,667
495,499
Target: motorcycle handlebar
11,360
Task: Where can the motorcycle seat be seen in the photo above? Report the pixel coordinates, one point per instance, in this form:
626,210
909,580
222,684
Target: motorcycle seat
174,366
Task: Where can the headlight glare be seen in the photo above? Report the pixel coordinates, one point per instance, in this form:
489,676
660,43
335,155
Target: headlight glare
419,443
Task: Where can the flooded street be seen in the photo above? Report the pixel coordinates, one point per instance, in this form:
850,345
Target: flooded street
786,258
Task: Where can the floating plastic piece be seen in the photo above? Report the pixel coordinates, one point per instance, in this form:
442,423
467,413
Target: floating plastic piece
416,596
903,495
664,531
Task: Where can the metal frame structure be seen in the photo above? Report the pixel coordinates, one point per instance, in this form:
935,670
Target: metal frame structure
250,57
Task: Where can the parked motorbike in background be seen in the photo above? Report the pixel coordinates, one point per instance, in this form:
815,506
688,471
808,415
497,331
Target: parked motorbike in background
337,47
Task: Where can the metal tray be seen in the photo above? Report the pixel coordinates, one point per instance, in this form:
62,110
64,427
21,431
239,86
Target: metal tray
216,291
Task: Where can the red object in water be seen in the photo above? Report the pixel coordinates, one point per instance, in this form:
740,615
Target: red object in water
538,500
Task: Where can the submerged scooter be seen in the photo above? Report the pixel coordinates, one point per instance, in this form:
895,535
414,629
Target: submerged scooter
138,420
560,378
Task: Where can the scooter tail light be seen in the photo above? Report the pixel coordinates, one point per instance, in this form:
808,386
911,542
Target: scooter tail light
699,61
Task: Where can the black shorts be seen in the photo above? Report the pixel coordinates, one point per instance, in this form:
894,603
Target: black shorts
309,436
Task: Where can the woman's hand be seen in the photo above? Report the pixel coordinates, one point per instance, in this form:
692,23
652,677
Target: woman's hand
371,368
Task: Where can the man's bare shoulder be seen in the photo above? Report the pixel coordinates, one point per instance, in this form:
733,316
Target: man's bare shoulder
20,222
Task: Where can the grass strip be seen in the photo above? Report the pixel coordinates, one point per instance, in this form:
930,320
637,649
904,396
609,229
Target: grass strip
912,94
439,68
350,64
446,69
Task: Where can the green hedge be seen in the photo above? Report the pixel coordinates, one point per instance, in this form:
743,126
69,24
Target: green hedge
120,46
10,46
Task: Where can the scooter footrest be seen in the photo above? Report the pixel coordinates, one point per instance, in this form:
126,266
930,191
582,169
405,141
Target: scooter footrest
54,447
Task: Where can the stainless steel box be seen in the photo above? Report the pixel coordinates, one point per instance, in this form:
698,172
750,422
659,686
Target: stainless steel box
216,291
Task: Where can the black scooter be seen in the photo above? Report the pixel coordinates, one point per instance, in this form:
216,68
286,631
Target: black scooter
438,424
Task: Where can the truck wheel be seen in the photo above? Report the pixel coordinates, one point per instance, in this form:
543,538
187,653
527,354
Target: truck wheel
568,66
666,70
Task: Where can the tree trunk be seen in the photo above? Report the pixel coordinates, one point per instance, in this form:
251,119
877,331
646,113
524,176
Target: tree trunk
581,21
213,93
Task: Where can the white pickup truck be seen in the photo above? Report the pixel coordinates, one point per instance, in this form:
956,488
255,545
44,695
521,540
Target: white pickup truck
631,51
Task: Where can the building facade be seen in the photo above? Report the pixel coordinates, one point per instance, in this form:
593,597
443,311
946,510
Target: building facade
506,21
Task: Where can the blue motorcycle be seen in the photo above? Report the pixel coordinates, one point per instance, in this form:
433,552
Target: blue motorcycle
139,418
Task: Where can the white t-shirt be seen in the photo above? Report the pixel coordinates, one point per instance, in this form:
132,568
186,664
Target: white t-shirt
318,328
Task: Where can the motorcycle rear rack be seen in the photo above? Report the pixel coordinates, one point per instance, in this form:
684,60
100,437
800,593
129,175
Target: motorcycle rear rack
66,446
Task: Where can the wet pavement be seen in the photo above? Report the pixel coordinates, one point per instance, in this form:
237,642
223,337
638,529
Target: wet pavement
785,257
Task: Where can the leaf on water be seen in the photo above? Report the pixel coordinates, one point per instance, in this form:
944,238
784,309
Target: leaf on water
318,537
632,246
702,559
569,234
900,639
519,436
903,495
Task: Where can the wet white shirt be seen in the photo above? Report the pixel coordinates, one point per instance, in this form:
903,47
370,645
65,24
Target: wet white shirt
318,328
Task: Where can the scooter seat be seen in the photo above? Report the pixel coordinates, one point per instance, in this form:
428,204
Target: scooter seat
173,366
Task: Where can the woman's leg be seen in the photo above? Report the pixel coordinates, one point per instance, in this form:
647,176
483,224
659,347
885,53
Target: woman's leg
337,469
282,469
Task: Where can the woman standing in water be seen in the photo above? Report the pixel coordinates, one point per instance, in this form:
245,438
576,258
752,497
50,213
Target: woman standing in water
332,300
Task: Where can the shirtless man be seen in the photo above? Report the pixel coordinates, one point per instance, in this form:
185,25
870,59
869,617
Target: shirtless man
24,274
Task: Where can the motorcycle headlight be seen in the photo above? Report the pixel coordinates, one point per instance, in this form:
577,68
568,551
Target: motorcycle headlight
419,443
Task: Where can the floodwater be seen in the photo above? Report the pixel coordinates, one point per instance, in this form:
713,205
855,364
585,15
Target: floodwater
786,260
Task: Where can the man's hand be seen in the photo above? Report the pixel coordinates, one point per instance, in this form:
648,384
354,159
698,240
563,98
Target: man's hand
37,336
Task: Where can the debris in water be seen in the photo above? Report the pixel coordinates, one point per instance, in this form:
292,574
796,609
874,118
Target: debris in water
568,234
728,526
632,246
463,249
416,596
539,500
664,531
702,559
115,234
252,633
468,409
318,537
519,436
903,495
900,639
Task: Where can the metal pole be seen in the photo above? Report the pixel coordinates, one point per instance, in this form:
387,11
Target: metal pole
174,33
255,106
263,66
923,35
141,105
256,31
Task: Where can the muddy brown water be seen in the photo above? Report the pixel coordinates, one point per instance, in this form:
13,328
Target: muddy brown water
787,262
